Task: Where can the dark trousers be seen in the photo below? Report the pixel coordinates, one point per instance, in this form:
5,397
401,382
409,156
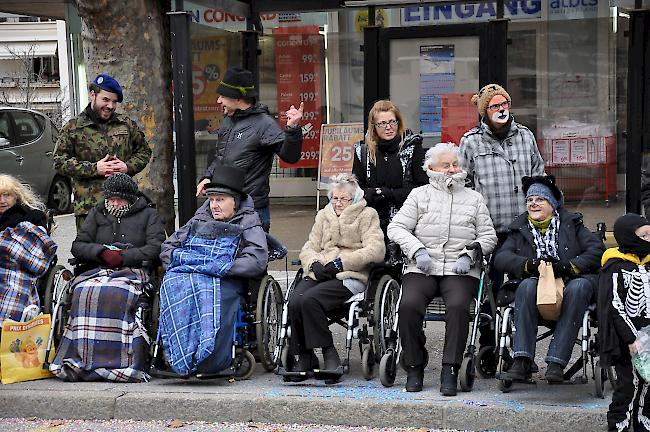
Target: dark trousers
417,292
79,221
630,401
309,305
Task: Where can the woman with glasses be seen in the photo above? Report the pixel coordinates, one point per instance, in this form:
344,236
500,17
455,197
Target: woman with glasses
433,228
388,164
343,244
548,232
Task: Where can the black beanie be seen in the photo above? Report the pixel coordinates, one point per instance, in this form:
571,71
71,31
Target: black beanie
624,233
121,185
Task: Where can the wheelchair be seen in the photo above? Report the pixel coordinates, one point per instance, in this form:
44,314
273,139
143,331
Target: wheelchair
363,305
587,340
58,301
473,362
255,335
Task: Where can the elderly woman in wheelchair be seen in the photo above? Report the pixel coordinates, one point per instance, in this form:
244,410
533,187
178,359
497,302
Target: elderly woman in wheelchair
103,338
26,251
345,241
208,264
434,229
548,232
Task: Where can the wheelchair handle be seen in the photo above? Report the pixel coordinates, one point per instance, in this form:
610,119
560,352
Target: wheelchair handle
477,247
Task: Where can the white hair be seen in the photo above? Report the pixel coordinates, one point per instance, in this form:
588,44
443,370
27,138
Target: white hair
347,181
433,154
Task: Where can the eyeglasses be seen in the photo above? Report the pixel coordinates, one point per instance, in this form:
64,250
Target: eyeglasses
503,105
384,125
536,200
335,200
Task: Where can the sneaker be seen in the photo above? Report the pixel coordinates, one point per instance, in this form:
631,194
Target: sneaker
554,373
331,359
414,378
448,380
520,369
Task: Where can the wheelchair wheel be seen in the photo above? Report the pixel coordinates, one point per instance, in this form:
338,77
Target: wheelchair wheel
385,310
486,362
388,369
243,364
57,278
600,378
268,318
368,362
467,374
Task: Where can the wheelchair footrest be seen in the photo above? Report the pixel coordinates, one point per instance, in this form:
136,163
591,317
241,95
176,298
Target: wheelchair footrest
160,373
319,374
217,375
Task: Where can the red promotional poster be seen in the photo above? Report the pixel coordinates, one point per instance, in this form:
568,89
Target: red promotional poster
458,116
297,67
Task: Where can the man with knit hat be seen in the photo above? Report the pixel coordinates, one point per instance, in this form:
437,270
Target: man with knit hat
496,154
98,143
249,138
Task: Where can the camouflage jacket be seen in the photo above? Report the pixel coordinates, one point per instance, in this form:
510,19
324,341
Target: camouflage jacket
83,142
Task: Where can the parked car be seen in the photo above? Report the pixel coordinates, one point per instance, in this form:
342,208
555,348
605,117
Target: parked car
27,140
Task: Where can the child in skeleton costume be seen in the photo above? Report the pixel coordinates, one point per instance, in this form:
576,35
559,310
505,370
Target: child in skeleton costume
623,308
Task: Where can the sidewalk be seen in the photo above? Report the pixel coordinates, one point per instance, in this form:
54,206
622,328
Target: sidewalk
354,401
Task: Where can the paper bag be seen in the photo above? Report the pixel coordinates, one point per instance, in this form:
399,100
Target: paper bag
550,292
22,349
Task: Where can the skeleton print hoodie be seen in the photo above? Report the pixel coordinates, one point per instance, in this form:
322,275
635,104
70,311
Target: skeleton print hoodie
623,289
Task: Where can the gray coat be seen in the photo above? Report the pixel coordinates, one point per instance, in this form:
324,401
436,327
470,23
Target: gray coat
252,254
141,227
250,139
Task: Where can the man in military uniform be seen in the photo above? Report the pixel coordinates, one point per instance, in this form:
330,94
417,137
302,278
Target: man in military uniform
97,143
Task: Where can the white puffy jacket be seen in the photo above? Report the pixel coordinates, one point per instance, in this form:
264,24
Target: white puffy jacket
443,217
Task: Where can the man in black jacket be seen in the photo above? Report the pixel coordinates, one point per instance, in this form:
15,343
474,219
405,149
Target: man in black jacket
249,137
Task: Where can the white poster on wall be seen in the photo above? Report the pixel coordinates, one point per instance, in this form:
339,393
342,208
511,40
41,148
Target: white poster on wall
437,77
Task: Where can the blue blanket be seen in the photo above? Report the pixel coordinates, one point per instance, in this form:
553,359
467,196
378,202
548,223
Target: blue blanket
190,295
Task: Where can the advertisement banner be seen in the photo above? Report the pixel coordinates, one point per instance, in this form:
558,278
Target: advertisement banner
298,71
437,77
209,63
458,116
337,150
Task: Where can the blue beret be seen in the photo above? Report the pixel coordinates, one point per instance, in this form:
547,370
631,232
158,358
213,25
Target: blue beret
110,84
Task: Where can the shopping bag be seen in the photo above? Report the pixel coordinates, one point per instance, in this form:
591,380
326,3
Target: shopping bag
22,349
641,358
550,292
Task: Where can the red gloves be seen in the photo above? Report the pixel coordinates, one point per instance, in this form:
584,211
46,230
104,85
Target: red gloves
112,258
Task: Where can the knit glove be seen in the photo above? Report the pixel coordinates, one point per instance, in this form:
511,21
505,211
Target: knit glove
319,271
111,258
562,269
462,265
423,261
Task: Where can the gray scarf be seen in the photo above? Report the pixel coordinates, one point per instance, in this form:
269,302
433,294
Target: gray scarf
547,246
117,211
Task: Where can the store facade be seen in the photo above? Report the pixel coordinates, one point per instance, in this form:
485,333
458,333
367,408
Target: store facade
564,62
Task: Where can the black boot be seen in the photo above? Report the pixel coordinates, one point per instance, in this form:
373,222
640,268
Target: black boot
554,373
414,378
520,369
448,380
331,358
307,361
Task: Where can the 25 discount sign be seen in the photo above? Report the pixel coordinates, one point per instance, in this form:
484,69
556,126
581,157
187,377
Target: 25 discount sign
297,66
337,149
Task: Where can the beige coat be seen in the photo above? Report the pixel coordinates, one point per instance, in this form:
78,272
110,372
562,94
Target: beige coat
355,237
443,217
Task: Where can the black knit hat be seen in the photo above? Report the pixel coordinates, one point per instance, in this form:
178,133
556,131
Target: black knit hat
238,84
545,180
227,179
121,185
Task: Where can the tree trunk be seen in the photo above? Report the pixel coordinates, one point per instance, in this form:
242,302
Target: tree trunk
130,40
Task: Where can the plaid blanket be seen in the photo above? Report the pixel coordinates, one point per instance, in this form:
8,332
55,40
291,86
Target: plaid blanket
103,339
26,253
190,295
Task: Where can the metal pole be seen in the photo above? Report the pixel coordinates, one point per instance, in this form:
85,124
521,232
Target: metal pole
637,86
184,115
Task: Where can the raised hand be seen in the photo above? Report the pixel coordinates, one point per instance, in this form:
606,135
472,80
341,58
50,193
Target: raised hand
295,115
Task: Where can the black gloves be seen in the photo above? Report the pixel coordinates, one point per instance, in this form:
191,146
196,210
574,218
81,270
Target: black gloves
331,270
562,269
319,271
531,267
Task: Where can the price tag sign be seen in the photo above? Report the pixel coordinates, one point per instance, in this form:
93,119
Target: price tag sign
337,150
298,69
